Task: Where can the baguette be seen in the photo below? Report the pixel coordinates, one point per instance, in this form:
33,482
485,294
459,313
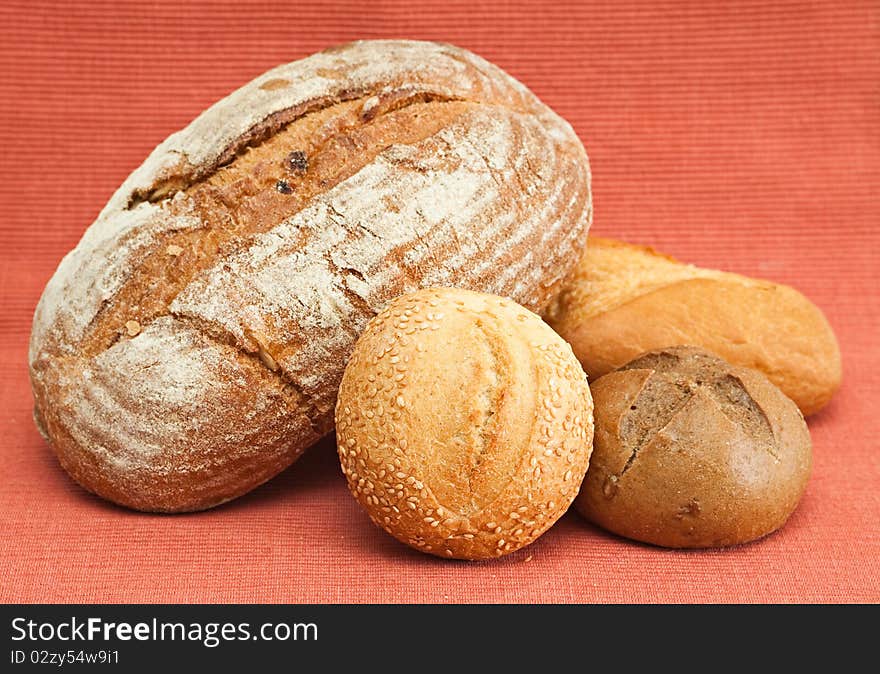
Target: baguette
191,346
623,300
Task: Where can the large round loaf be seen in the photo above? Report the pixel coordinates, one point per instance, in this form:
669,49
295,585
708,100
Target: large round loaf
191,346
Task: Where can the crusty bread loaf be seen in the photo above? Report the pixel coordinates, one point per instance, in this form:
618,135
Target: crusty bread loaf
623,300
691,452
464,423
190,347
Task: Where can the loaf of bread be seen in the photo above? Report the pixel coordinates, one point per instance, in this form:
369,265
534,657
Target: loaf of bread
464,423
692,452
190,347
623,300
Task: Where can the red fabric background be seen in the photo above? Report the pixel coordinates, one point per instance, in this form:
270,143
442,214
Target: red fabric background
745,137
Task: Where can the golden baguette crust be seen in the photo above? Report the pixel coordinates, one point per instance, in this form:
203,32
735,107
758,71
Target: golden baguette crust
464,424
693,452
191,345
623,300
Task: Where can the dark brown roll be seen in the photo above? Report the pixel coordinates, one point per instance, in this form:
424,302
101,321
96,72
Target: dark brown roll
692,452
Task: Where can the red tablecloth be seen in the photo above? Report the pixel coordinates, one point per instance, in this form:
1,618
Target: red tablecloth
744,136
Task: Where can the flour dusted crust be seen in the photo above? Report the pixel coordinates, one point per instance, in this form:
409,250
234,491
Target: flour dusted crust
464,423
191,345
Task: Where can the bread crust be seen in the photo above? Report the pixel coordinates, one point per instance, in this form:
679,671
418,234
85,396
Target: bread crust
693,452
191,345
623,300
464,423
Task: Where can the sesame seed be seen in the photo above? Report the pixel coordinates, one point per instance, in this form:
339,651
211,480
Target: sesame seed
501,542
491,525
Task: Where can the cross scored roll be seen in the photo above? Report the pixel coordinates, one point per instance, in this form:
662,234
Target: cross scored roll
191,346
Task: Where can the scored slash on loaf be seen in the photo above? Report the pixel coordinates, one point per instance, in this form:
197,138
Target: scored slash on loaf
190,347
